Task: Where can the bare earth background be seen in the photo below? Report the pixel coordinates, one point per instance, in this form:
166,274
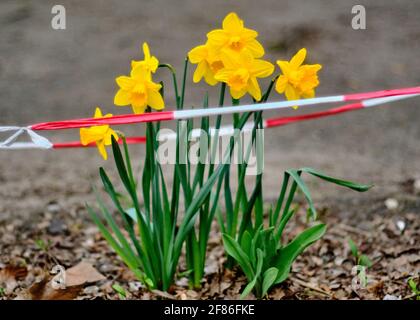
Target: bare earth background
52,75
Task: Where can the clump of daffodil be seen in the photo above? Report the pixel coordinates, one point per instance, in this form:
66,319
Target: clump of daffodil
297,80
101,135
150,63
233,36
139,91
240,73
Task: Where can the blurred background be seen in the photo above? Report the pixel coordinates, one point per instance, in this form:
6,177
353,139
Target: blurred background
48,74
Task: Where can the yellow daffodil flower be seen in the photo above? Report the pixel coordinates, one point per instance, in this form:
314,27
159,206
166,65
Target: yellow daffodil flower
241,71
101,135
208,63
235,36
139,91
297,80
150,63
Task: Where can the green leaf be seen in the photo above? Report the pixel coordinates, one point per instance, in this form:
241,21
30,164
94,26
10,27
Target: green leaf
246,242
234,250
365,261
248,288
340,182
120,290
353,248
251,285
413,286
269,278
287,255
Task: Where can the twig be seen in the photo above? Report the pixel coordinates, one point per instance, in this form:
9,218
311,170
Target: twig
353,229
409,296
164,294
310,286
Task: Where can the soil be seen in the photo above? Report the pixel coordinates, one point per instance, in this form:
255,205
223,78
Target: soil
48,74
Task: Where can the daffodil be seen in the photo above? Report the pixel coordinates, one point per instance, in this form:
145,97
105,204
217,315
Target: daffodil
150,63
139,91
297,80
240,73
235,36
101,135
208,63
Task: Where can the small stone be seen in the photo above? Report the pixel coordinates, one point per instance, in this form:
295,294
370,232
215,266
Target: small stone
391,204
56,227
135,286
53,207
417,185
91,290
400,225
391,297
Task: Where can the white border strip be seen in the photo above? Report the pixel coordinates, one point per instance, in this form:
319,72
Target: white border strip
188,114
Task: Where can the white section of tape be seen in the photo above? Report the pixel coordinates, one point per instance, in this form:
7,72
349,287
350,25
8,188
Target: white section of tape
374,102
36,141
188,114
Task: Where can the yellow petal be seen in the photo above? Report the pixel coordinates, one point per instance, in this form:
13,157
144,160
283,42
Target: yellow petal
98,113
217,37
110,133
248,34
140,72
311,68
153,64
122,98
87,135
232,59
135,63
138,109
309,94
198,54
146,51
254,89
102,149
262,68
284,66
223,75
237,94
209,78
281,84
155,100
298,59
256,48
125,82
200,71
291,93
232,22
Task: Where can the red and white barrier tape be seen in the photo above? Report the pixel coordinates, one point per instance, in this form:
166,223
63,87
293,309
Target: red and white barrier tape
365,100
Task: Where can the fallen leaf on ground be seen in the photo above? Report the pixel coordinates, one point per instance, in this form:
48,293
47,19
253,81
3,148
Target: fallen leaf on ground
82,273
44,291
10,275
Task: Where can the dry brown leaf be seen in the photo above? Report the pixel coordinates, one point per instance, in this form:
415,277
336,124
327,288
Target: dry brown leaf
10,275
44,291
82,273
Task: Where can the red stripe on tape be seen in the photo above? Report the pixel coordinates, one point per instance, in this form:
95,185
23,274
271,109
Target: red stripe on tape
114,120
78,144
287,120
381,94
